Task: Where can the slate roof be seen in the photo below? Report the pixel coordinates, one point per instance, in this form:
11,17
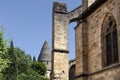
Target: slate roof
45,54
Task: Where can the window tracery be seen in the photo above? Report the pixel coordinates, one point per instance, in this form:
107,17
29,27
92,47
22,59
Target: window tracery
110,41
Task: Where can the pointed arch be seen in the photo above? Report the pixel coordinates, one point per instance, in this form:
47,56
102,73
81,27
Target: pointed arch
109,40
105,20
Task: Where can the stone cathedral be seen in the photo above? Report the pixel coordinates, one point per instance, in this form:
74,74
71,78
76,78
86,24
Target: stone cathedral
97,40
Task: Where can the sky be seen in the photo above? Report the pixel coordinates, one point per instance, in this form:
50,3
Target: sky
29,23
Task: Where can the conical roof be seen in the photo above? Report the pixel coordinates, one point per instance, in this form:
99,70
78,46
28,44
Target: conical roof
45,54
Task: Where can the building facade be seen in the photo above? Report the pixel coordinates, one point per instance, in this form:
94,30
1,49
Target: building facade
97,36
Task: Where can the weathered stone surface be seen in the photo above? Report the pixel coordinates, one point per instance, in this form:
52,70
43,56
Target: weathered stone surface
61,19
74,14
89,61
96,71
90,2
95,21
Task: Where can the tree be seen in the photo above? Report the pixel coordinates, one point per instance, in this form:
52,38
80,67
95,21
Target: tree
10,73
39,67
33,76
34,59
3,49
15,64
23,61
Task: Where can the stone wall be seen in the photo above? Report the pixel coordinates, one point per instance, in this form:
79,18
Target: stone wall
107,74
95,70
79,49
95,21
89,64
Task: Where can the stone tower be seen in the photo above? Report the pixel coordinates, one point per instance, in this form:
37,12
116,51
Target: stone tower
61,20
60,43
45,57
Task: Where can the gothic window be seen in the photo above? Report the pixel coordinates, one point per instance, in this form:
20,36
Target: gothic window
110,41
72,72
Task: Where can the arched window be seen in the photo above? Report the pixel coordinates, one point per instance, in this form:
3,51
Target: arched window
110,41
72,72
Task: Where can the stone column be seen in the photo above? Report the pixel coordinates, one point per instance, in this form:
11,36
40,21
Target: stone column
60,42
81,51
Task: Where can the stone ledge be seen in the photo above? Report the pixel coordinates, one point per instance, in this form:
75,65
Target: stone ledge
106,68
60,50
82,75
100,71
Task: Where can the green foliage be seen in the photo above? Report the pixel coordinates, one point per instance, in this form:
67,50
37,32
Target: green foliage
23,61
15,64
3,49
11,71
32,76
1,76
3,61
23,76
44,78
34,59
39,67
24,67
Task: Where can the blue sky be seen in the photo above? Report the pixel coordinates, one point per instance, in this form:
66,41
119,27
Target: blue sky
29,23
